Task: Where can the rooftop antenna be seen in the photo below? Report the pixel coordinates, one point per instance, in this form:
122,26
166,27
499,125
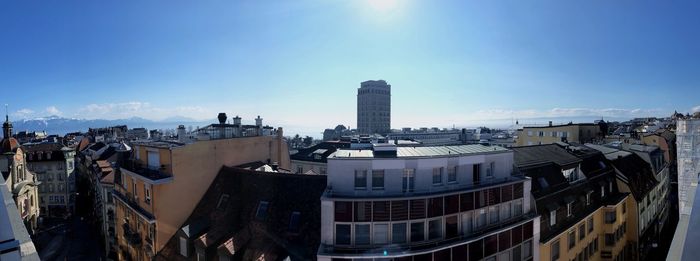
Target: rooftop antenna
7,118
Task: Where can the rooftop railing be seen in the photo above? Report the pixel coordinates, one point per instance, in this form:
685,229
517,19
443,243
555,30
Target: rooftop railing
149,172
408,248
447,188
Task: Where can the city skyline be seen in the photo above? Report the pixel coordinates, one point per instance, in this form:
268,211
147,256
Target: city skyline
299,65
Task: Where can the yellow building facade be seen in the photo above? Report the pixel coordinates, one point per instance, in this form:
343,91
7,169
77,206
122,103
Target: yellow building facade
160,183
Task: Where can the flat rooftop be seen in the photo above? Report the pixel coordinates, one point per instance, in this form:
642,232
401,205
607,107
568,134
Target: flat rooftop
420,152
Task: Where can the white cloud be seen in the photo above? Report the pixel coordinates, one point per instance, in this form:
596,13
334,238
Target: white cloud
141,109
52,110
23,113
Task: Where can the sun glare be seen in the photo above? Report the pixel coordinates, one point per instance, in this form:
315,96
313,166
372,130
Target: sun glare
383,5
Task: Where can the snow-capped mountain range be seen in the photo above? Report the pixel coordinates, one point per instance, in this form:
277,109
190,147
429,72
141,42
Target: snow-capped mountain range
60,125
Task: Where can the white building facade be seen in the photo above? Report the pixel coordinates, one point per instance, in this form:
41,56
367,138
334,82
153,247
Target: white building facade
688,146
427,203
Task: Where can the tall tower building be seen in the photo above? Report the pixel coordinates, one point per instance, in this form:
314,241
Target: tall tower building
374,107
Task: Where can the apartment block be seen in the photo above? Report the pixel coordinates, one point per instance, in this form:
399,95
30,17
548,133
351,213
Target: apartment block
54,165
548,134
427,203
159,183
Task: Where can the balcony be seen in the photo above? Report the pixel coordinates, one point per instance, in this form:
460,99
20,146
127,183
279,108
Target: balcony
133,204
132,237
156,176
432,190
419,247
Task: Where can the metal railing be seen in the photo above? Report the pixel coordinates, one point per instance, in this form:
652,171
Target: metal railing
421,246
145,170
446,188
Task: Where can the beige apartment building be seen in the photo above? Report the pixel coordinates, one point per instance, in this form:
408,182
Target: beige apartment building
159,183
538,135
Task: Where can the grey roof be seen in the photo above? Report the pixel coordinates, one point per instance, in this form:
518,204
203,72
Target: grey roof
429,151
13,233
543,154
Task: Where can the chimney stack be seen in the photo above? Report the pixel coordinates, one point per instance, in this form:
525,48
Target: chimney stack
222,118
550,123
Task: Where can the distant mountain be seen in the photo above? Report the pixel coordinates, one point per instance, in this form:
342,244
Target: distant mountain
59,125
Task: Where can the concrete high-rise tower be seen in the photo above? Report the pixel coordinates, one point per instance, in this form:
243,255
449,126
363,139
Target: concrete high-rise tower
374,107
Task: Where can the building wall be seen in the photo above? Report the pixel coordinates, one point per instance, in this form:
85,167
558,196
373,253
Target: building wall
374,107
688,150
57,183
574,133
467,215
301,167
195,165
583,245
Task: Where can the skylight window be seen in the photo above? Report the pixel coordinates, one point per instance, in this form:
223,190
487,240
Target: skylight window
294,221
543,182
261,214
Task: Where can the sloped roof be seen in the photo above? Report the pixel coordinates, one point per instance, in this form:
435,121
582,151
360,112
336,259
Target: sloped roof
637,174
323,149
9,145
269,237
543,154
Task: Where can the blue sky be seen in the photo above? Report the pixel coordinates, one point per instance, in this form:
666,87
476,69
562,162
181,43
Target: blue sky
298,63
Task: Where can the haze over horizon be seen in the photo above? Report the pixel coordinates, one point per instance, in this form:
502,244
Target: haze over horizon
298,65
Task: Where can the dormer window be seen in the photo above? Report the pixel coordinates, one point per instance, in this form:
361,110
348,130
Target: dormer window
552,217
569,209
261,214
588,198
183,247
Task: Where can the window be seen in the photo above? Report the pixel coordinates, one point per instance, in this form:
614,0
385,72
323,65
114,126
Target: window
602,191
609,239
527,249
380,234
342,234
481,218
360,179
435,229
362,234
555,251
518,207
590,225
294,220
624,207
437,176
222,202
451,227
491,170
565,134
493,215
572,238
300,169
378,179
582,231
417,231
398,233
505,211
476,173
540,133
183,247
543,182
552,217
261,214
409,180
200,254
588,198
467,223
568,209
610,217
554,134
529,133
452,174
147,194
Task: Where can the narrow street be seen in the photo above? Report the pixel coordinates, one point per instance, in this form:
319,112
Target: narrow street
71,241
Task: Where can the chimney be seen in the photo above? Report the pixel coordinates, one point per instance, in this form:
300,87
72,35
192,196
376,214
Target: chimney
258,121
550,123
237,120
222,118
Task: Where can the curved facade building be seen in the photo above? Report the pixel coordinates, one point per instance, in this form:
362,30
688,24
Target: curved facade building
427,203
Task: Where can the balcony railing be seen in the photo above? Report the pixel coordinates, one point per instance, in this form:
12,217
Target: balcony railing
447,188
145,171
395,249
132,237
132,203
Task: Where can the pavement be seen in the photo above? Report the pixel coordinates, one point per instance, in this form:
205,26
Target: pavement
72,240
